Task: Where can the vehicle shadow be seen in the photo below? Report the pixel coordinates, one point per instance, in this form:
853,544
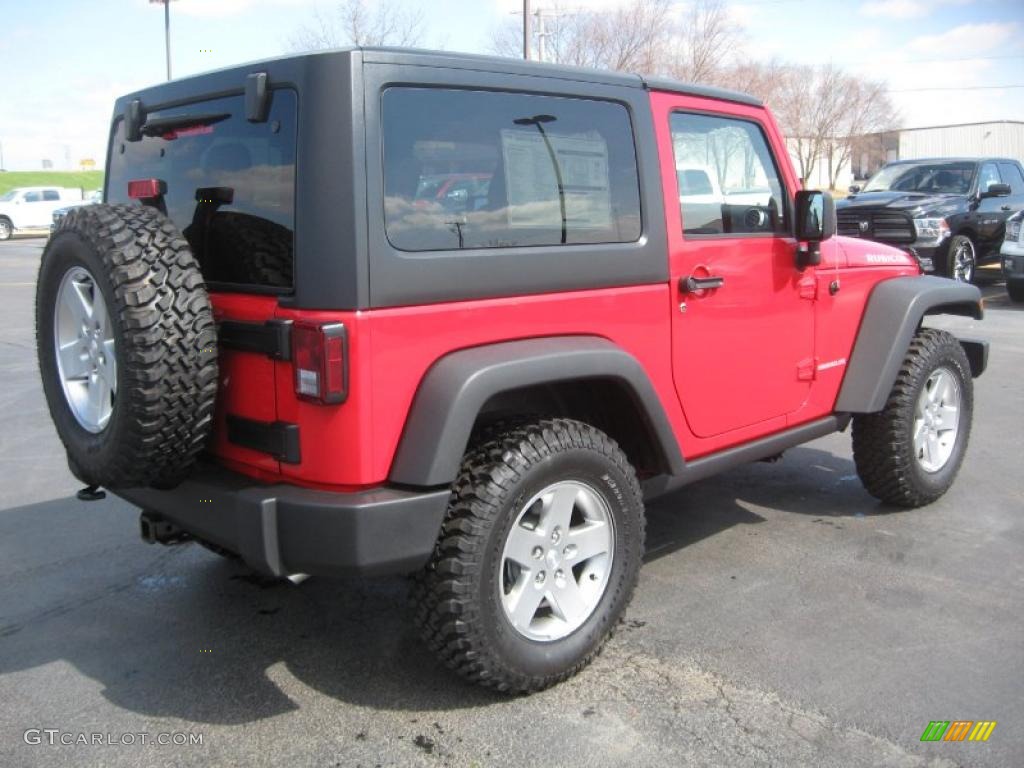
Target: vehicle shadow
805,481
180,632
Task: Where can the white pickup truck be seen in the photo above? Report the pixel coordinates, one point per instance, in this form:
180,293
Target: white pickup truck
32,207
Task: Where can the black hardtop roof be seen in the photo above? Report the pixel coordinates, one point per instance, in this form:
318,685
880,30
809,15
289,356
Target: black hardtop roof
215,81
922,160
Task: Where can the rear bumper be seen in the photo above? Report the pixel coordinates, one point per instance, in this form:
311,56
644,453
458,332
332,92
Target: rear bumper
283,529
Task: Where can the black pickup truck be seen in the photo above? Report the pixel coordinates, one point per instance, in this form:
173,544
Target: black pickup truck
950,213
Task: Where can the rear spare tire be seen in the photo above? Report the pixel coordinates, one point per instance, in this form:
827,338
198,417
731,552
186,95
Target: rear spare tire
127,346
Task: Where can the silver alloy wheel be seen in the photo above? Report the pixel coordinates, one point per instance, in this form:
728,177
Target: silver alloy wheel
5,229
963,260
937,420
556,561
83,338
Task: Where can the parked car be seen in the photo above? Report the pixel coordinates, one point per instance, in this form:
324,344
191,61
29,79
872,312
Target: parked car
92,198
283,355
27,208
949,213
454,191
1012,253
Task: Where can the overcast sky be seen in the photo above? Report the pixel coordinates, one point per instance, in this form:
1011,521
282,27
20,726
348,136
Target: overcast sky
64,61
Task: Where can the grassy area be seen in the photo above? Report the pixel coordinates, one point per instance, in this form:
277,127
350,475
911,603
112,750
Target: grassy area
87,180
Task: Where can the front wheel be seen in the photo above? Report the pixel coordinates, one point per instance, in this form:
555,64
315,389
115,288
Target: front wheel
909,453
6,229
537,558
962,259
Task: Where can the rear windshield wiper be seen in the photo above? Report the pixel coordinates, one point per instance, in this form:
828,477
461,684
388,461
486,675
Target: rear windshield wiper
162,125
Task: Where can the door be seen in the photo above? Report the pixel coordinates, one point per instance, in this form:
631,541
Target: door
743,316
991,213
33,211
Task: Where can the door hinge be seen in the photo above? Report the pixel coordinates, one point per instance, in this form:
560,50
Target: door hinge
808,287
806,370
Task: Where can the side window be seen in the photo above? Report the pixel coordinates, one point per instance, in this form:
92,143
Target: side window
988,176
1011,175
729,183
33,197
51,195
482,169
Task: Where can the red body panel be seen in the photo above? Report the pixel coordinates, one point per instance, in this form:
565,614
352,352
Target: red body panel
765,352
246,387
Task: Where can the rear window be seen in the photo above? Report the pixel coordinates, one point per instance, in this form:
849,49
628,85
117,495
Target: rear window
230,185
481,169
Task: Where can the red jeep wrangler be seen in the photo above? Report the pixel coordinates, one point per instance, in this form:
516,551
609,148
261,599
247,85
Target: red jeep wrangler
275,343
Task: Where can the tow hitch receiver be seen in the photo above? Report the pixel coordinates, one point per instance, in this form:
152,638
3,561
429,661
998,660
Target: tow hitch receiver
156,530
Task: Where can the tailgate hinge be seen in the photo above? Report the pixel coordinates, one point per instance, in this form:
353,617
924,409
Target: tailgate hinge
807,370
271,338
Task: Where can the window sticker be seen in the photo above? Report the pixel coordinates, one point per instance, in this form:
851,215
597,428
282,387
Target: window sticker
531,180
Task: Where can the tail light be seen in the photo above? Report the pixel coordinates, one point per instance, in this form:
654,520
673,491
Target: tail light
320,360
145,189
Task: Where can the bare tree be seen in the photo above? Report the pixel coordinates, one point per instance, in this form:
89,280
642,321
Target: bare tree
356,22
866,108
822,110
819,108
637,36
764,79
704,41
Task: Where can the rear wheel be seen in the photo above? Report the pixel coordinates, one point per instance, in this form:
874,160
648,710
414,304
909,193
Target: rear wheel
909,453
537,558
962,259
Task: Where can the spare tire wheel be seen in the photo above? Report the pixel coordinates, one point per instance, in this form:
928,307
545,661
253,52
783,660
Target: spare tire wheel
127,346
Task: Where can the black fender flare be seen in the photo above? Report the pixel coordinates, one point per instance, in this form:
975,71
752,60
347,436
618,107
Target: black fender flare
891,318
456,387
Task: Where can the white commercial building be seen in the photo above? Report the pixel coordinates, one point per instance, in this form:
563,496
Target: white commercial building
1003,138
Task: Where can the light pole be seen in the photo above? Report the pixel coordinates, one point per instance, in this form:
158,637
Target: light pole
167,30
526,29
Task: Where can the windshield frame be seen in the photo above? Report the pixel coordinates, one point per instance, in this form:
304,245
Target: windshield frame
899,170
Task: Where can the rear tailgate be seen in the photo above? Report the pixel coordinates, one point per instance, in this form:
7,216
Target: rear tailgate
246,403
229,186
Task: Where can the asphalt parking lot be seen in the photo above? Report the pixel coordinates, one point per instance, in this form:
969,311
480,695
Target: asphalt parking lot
783,618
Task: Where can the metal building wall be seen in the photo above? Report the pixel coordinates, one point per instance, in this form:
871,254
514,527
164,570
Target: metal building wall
995,139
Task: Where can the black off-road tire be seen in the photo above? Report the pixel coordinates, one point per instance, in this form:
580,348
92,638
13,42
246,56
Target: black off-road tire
455,599
883,446
165,341
1015,289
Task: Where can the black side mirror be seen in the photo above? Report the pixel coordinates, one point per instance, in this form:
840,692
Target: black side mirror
995,190
854,189
815,222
